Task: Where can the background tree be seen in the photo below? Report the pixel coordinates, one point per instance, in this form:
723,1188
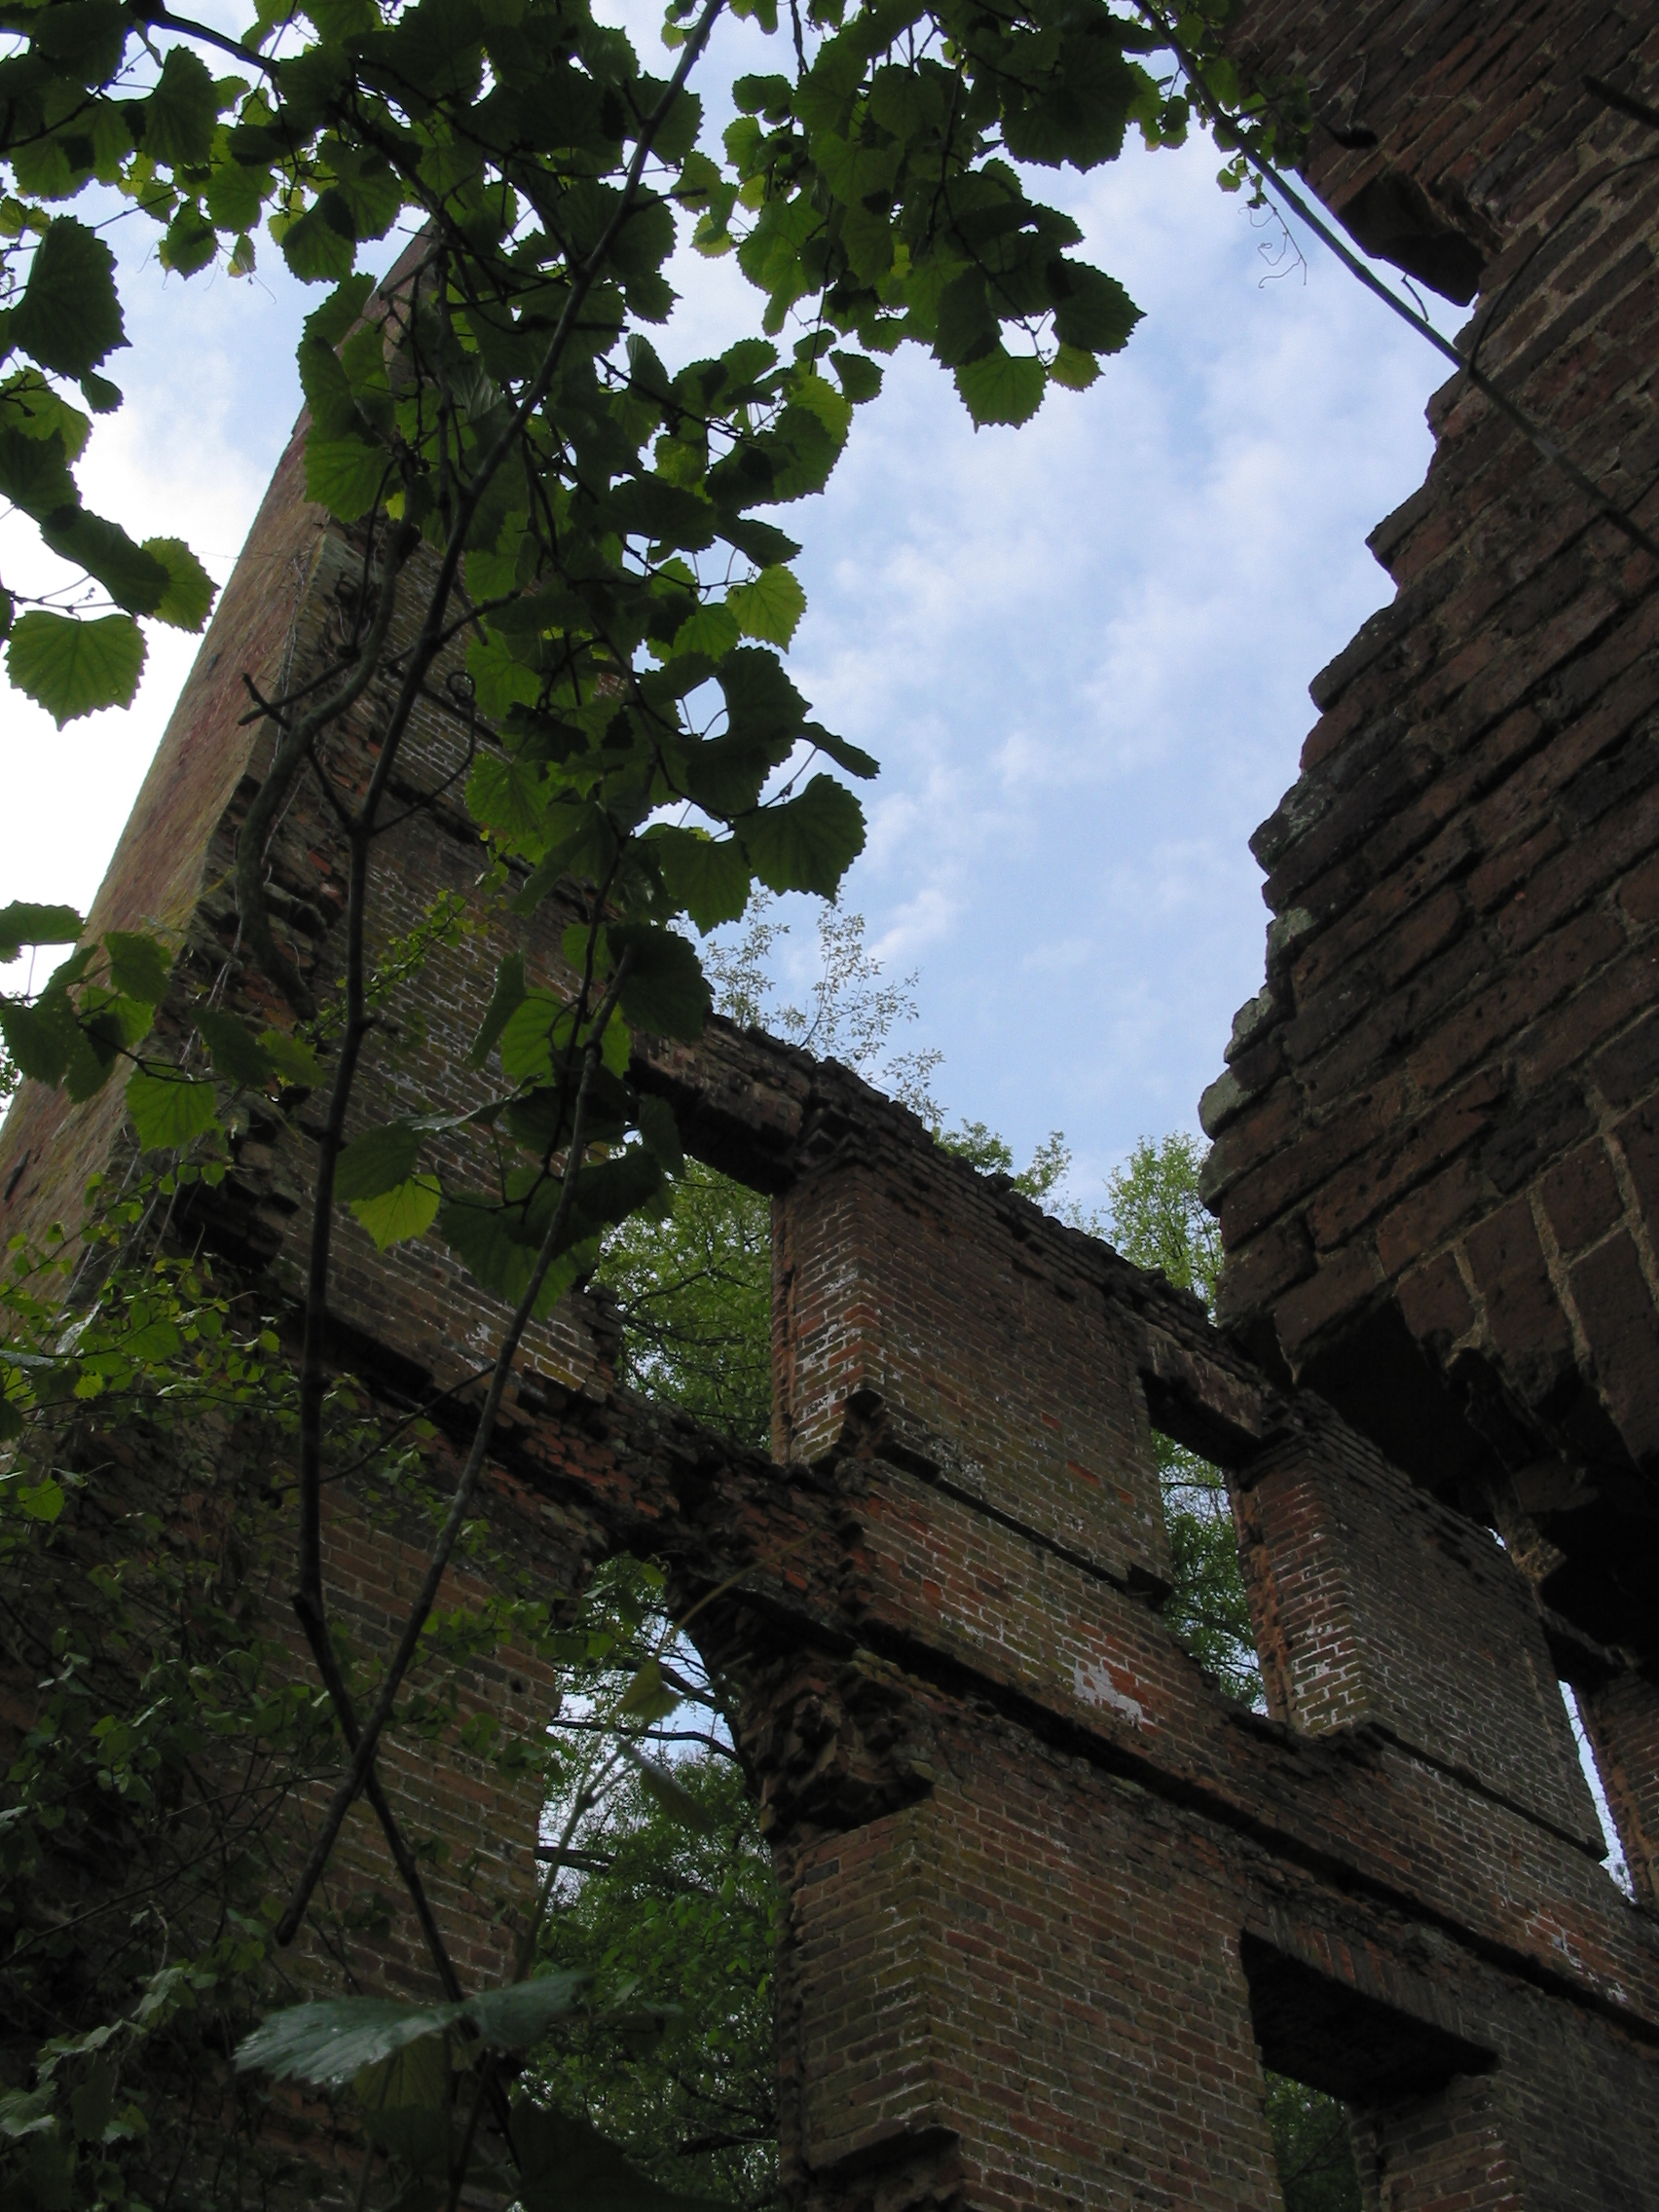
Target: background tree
562,534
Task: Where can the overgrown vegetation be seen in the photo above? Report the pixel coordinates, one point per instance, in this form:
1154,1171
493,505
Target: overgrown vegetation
565,532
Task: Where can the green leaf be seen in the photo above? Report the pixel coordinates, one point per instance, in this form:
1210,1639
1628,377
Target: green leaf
21,923
238,1057
235,194
189,598
132,579
169,1111
1076,371
769,97
28,403
525,1036
190,241
377,1162
761,700
762,543
497,1250
676,1800
343,475
327,390
707,880
1002,386
647,1697
646,506
405,2100
852,758
333,2038
564,2163
44,1502
180,116
664,990
965,327
92,2104
712,630
861,376
509,798
73,667
69,316
1092,312
138,966
520,2015
290,1059
42,1039
656,1117
34,473
505,1001
341,311
25,2112
807,843
321,247
408,1209
1079,115
770,607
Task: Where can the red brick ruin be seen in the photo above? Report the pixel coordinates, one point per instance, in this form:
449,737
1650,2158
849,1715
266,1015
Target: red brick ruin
1052,1902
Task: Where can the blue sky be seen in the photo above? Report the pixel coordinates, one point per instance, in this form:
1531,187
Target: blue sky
1079,649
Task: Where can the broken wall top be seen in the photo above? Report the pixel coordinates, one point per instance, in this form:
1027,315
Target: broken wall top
1436,1160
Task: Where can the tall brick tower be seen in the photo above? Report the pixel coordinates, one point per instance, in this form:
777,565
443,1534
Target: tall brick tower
1050,1902
1437,1141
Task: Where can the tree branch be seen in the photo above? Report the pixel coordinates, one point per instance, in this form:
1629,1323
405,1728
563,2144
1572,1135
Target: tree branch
348,1791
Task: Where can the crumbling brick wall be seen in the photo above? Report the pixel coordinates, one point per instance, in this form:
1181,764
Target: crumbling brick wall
1052,1902
1433,1162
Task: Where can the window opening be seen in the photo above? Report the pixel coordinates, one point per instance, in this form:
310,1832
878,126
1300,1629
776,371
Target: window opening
1617,1867
663,1893
1312,2148
1207,1609
693,1288
1328,2047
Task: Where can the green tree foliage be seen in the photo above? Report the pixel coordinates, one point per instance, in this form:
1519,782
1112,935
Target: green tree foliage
694,1287
1312,2149
569,533
873,194
685,2073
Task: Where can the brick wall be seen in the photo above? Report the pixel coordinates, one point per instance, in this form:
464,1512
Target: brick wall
1433,1162
1376,1604
909,1287
1051,1900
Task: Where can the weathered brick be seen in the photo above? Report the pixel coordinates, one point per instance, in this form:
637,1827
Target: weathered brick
1581,1196
1435,1301
1522,1312
1620,1320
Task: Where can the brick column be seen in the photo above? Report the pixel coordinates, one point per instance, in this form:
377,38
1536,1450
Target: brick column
1440,2152
1373,1603
1015,1996
912,1286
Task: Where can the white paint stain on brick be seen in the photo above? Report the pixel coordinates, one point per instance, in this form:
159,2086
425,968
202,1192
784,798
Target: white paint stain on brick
1095,1686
